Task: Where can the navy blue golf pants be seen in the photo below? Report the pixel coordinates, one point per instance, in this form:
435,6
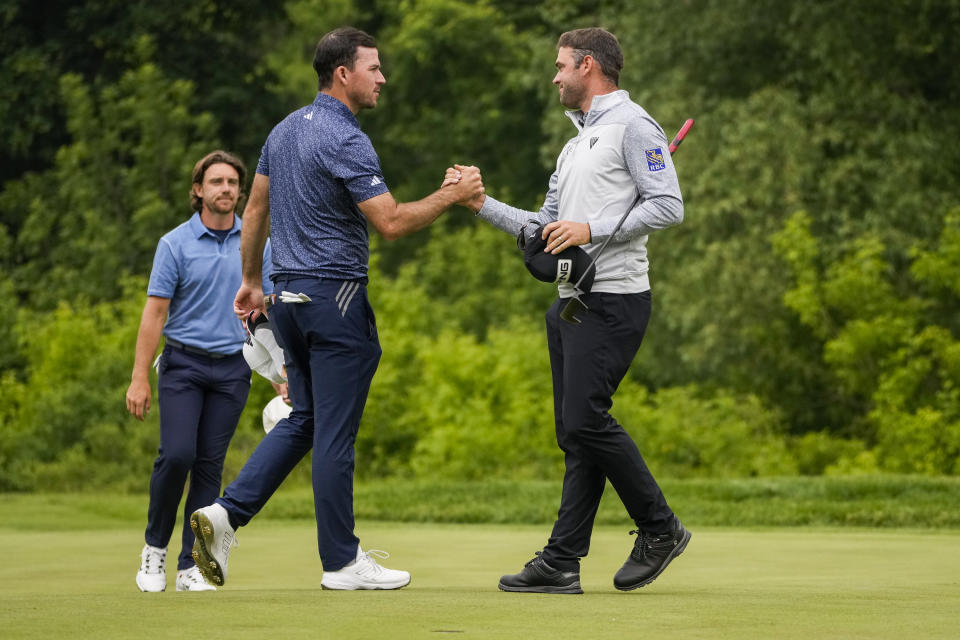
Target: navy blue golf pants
201,399
331,350
588,362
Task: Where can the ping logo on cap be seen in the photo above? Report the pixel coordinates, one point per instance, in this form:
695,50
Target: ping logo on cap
655,159
564,270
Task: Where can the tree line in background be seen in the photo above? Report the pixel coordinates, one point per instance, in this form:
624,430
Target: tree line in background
805,313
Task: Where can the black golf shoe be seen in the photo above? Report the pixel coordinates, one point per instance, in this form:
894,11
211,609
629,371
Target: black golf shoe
650,556
539,577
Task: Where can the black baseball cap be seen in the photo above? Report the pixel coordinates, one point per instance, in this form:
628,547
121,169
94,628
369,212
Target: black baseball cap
567,266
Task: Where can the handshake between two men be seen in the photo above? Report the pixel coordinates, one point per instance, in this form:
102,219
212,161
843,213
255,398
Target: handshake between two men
467,180
559,234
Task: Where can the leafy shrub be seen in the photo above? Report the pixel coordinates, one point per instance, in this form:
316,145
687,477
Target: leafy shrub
684,433
820,452
458,408
66,426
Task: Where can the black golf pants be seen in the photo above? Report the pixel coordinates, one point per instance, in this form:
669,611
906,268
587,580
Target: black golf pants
588,362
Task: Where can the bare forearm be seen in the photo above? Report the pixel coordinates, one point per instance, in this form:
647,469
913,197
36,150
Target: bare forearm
256,228
252,241
417,215
394,220
148,338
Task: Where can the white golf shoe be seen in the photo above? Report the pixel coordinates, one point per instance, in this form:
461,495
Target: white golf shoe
214,538
365,573
192,580
152,575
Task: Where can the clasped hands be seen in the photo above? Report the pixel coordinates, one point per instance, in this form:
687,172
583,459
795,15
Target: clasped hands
559,234
468,185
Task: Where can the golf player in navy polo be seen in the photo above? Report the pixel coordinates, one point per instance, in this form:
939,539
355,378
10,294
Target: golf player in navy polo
203,379
317,186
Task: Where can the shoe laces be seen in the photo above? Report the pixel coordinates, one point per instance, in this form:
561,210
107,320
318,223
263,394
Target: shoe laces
536,556
649,542
368,559
192,575
154,560
642,545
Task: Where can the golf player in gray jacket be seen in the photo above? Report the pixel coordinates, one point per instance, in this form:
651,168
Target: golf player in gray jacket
619,152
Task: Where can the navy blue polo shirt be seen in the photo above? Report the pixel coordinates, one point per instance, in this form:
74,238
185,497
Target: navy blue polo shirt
320,165
200,275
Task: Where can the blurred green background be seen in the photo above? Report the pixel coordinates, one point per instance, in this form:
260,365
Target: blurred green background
805,313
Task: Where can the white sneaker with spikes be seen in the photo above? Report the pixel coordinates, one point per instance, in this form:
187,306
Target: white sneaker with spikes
152,576
214,538
365,573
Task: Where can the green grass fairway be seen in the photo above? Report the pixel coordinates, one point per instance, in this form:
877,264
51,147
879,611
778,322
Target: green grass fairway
730,583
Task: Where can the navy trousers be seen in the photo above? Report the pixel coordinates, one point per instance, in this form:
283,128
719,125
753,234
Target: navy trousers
588,362
201,399
331,350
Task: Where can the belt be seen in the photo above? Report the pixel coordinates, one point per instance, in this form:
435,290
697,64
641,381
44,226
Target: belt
198,351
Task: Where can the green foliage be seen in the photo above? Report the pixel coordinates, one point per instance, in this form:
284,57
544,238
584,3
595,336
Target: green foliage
883,348
445,57
820,452
828,108
65,428
472,278
805,312
722,435
482,410
215,46
445,403
289,60
66,425
121,184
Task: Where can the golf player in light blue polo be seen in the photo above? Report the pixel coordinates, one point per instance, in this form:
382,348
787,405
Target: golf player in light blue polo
203,379
318,183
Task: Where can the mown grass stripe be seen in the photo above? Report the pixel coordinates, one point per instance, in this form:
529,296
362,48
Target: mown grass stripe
862,501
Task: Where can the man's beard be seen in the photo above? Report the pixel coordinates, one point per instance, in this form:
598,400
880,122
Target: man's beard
365,100
572,96
221,207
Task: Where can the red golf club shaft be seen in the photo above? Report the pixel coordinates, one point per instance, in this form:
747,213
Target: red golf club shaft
681,134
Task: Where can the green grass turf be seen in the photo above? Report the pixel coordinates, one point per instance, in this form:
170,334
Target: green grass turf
861,501
730,583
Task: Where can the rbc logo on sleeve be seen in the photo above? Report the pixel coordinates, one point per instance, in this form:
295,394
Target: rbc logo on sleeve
655,159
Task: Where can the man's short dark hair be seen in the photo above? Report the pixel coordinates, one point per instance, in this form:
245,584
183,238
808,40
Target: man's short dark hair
338,49
599,44
207,161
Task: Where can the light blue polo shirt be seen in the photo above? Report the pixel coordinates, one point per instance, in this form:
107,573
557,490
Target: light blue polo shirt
200,275
320,165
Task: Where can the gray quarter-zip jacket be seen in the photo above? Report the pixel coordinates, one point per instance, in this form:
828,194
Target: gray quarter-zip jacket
620,151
